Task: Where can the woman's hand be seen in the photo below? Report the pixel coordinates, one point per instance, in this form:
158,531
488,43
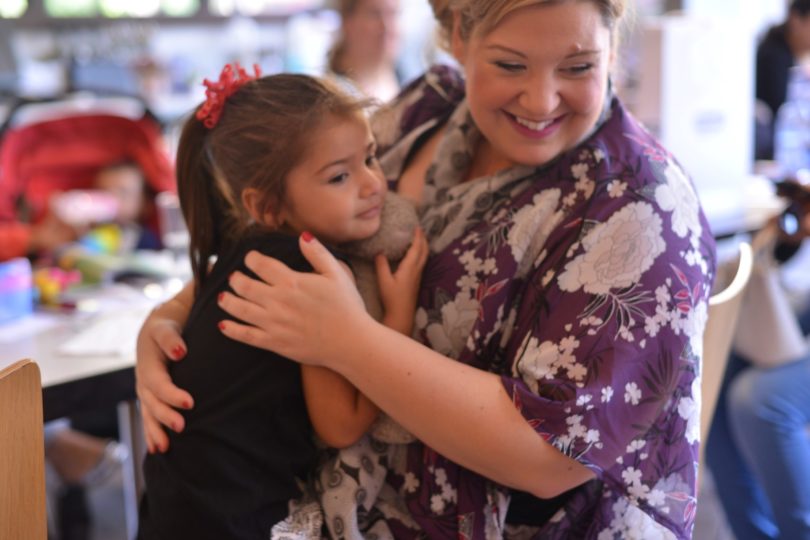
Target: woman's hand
298,315
158,341
398,291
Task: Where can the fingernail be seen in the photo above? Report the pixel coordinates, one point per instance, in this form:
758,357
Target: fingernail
220,296
186,404
221,325
230,278
178,352
307,236
175,426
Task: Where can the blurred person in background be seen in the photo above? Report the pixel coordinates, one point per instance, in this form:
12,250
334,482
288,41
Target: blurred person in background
365,53
783,47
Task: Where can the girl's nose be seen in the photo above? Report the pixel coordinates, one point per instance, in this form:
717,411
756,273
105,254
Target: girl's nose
372,182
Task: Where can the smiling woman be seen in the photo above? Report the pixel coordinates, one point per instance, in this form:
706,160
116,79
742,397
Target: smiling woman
554,375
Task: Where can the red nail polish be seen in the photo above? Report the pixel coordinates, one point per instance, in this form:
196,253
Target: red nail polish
220,296
307,236
178,352
221,325
186,404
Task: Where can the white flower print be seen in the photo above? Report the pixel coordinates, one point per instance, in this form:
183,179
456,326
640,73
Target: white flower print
538,361
437,504
679,197
607,394
534,221
616,188
632,393
617,252
689,410
631,523
411,483
458,318
578,170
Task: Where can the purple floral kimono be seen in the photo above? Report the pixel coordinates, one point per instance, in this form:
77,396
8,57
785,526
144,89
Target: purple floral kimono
584,284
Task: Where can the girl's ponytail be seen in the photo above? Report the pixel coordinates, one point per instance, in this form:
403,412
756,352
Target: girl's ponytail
199,195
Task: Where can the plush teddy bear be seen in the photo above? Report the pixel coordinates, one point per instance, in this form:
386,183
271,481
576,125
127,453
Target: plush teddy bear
398,222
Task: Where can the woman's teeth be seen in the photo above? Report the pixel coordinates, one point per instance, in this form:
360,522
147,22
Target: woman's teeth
536,126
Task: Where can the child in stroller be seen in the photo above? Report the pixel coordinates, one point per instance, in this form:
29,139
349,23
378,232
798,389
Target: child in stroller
48,148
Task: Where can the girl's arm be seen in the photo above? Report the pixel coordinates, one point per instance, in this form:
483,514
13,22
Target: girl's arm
340,414
462,412
158,340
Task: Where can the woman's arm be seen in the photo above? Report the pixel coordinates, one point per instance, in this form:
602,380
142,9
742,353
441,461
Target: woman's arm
461,412
158,340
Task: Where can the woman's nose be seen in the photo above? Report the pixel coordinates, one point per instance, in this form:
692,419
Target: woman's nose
540,96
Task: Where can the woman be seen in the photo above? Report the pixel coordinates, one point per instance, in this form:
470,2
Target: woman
365,53
561,314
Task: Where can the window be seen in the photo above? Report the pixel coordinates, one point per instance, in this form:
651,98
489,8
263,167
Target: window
260,7
120,8
12,9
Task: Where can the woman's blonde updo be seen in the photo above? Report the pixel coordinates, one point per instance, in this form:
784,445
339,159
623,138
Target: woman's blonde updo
483,15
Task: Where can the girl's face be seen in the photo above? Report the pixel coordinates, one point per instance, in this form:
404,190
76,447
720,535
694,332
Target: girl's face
537,82
337,190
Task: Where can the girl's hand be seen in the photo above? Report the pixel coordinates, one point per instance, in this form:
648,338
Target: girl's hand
302,316
159,340
398,291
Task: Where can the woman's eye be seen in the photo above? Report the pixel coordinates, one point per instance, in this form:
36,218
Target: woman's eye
579,69
508,66
339,178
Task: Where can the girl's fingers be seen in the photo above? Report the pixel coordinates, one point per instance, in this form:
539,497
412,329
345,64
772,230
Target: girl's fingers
384,275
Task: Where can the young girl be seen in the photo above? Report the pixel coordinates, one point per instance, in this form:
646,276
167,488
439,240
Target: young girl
263,161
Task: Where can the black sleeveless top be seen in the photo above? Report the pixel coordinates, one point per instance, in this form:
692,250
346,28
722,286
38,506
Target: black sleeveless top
248,438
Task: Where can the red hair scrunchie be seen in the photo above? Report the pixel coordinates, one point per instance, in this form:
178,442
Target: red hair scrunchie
217,92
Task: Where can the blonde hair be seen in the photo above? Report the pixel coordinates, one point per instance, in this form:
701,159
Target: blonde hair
483,15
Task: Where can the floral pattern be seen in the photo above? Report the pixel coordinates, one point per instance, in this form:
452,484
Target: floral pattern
584,284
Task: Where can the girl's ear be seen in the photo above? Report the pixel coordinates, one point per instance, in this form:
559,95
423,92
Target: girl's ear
258,210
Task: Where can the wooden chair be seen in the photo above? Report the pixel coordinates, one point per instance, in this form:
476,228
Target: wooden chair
724,307
22,453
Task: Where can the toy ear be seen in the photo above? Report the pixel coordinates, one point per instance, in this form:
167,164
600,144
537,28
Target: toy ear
259,210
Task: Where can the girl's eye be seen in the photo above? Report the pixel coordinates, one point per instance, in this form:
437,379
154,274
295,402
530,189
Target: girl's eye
508,66
340,178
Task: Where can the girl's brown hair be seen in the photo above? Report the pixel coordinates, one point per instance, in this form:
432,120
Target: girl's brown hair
260,136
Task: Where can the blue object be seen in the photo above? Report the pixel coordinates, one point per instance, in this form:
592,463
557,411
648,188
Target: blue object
792,126
16,289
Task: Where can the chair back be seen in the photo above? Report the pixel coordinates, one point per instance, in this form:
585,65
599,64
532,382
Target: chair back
724,308
22,453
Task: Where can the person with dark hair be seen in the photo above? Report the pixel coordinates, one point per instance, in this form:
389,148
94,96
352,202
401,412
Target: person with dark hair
264,160
554,380
779,50
364,55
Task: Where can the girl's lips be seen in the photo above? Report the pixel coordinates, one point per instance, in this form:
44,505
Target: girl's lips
534,130
371,212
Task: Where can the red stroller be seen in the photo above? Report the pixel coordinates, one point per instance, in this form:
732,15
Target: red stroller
48,147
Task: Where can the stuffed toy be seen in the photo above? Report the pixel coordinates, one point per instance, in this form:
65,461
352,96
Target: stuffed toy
397,225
